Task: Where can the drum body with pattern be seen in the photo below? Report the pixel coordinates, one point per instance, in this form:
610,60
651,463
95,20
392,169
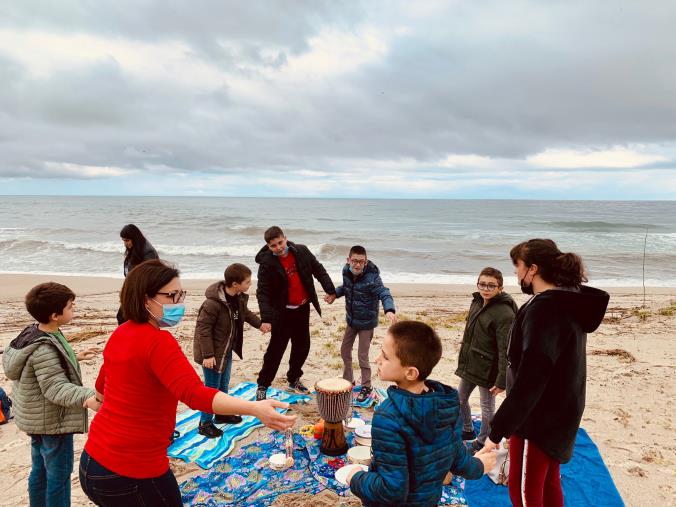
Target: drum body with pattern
334,399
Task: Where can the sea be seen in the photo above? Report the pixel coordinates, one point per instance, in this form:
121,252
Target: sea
622,243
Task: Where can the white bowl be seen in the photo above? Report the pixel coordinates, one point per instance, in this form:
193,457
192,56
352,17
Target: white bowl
341,473
353,423
360,455
278,461
363,431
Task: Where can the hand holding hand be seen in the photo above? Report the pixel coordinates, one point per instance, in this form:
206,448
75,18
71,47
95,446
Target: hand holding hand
265,327
87,354
392,317
489,459
209,363
495,390
265,411
92,404
330,298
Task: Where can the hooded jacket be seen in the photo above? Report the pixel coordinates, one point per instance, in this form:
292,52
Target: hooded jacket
483,354
362,295
547,369
215,333
416,439
273,288
47,393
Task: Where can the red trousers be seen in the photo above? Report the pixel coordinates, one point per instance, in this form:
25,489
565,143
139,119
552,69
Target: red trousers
534,477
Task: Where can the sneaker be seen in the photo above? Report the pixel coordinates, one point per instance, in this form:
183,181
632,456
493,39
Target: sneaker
298,386
209,430
476,447
364,393
261,393
468,435
227,419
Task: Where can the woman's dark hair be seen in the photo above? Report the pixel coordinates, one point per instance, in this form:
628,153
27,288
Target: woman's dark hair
144,280
554,266
134,255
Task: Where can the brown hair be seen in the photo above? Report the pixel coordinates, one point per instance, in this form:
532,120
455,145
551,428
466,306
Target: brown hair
144,280
47,298
554,266
272,233
417,345
236,273
493,273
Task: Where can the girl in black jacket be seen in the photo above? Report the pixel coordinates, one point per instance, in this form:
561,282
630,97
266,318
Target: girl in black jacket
137,249
546,372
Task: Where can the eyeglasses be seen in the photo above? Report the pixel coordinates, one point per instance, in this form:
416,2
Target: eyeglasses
177,296
486,286
358,262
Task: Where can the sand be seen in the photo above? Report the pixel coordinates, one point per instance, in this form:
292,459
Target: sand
630,387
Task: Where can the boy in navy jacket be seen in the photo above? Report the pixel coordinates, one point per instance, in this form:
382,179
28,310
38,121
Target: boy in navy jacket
417,430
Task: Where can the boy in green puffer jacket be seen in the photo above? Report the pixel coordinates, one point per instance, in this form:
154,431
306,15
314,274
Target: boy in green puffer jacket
50,403
483,355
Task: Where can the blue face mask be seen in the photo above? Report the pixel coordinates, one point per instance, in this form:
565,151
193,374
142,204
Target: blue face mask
171,314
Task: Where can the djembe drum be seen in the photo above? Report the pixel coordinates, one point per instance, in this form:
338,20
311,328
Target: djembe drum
334,401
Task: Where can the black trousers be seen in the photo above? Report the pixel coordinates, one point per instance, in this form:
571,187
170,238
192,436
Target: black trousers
293,325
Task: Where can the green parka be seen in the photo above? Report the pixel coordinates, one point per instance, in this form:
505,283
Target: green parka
483,355
48,392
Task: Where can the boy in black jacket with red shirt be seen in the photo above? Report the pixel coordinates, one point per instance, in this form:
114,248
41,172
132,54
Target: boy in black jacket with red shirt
285,290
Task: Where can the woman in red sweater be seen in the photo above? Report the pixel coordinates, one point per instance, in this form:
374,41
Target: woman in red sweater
143,376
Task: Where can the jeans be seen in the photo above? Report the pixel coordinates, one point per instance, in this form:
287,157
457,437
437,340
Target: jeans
108,489
365,337
52,464
217,380
487,400
294,325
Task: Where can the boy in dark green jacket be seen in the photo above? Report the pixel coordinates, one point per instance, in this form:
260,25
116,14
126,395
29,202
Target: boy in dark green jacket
483,356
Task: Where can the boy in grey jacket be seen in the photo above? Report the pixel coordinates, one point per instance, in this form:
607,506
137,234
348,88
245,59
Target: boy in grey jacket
50,403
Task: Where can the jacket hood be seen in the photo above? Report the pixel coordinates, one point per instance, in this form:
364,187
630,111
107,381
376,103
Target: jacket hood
499,299
427,413
20,349
265,255
369,268
215,291
586,306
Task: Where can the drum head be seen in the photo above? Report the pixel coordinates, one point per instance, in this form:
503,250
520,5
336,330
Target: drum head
334,385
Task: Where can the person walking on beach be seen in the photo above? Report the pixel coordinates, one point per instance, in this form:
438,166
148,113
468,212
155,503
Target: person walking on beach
482,361
144,375
285,291
137,249
546,373
363,290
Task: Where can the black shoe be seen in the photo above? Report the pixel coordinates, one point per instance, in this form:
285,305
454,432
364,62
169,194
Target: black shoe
468,435
298,386
261,393
364,393
209,430
227,419
476,447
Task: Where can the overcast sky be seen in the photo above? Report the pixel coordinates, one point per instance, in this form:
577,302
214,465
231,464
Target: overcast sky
457,99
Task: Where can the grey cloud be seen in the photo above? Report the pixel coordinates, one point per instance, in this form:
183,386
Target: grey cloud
498,79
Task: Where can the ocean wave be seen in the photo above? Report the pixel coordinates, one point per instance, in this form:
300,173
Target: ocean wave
600,226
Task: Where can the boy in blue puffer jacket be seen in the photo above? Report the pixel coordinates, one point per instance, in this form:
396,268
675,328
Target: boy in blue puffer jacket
363,290
417,430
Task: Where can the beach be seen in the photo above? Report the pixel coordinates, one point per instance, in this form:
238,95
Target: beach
631,387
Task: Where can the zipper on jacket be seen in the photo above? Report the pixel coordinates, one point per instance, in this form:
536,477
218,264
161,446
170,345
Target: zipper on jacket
232,330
